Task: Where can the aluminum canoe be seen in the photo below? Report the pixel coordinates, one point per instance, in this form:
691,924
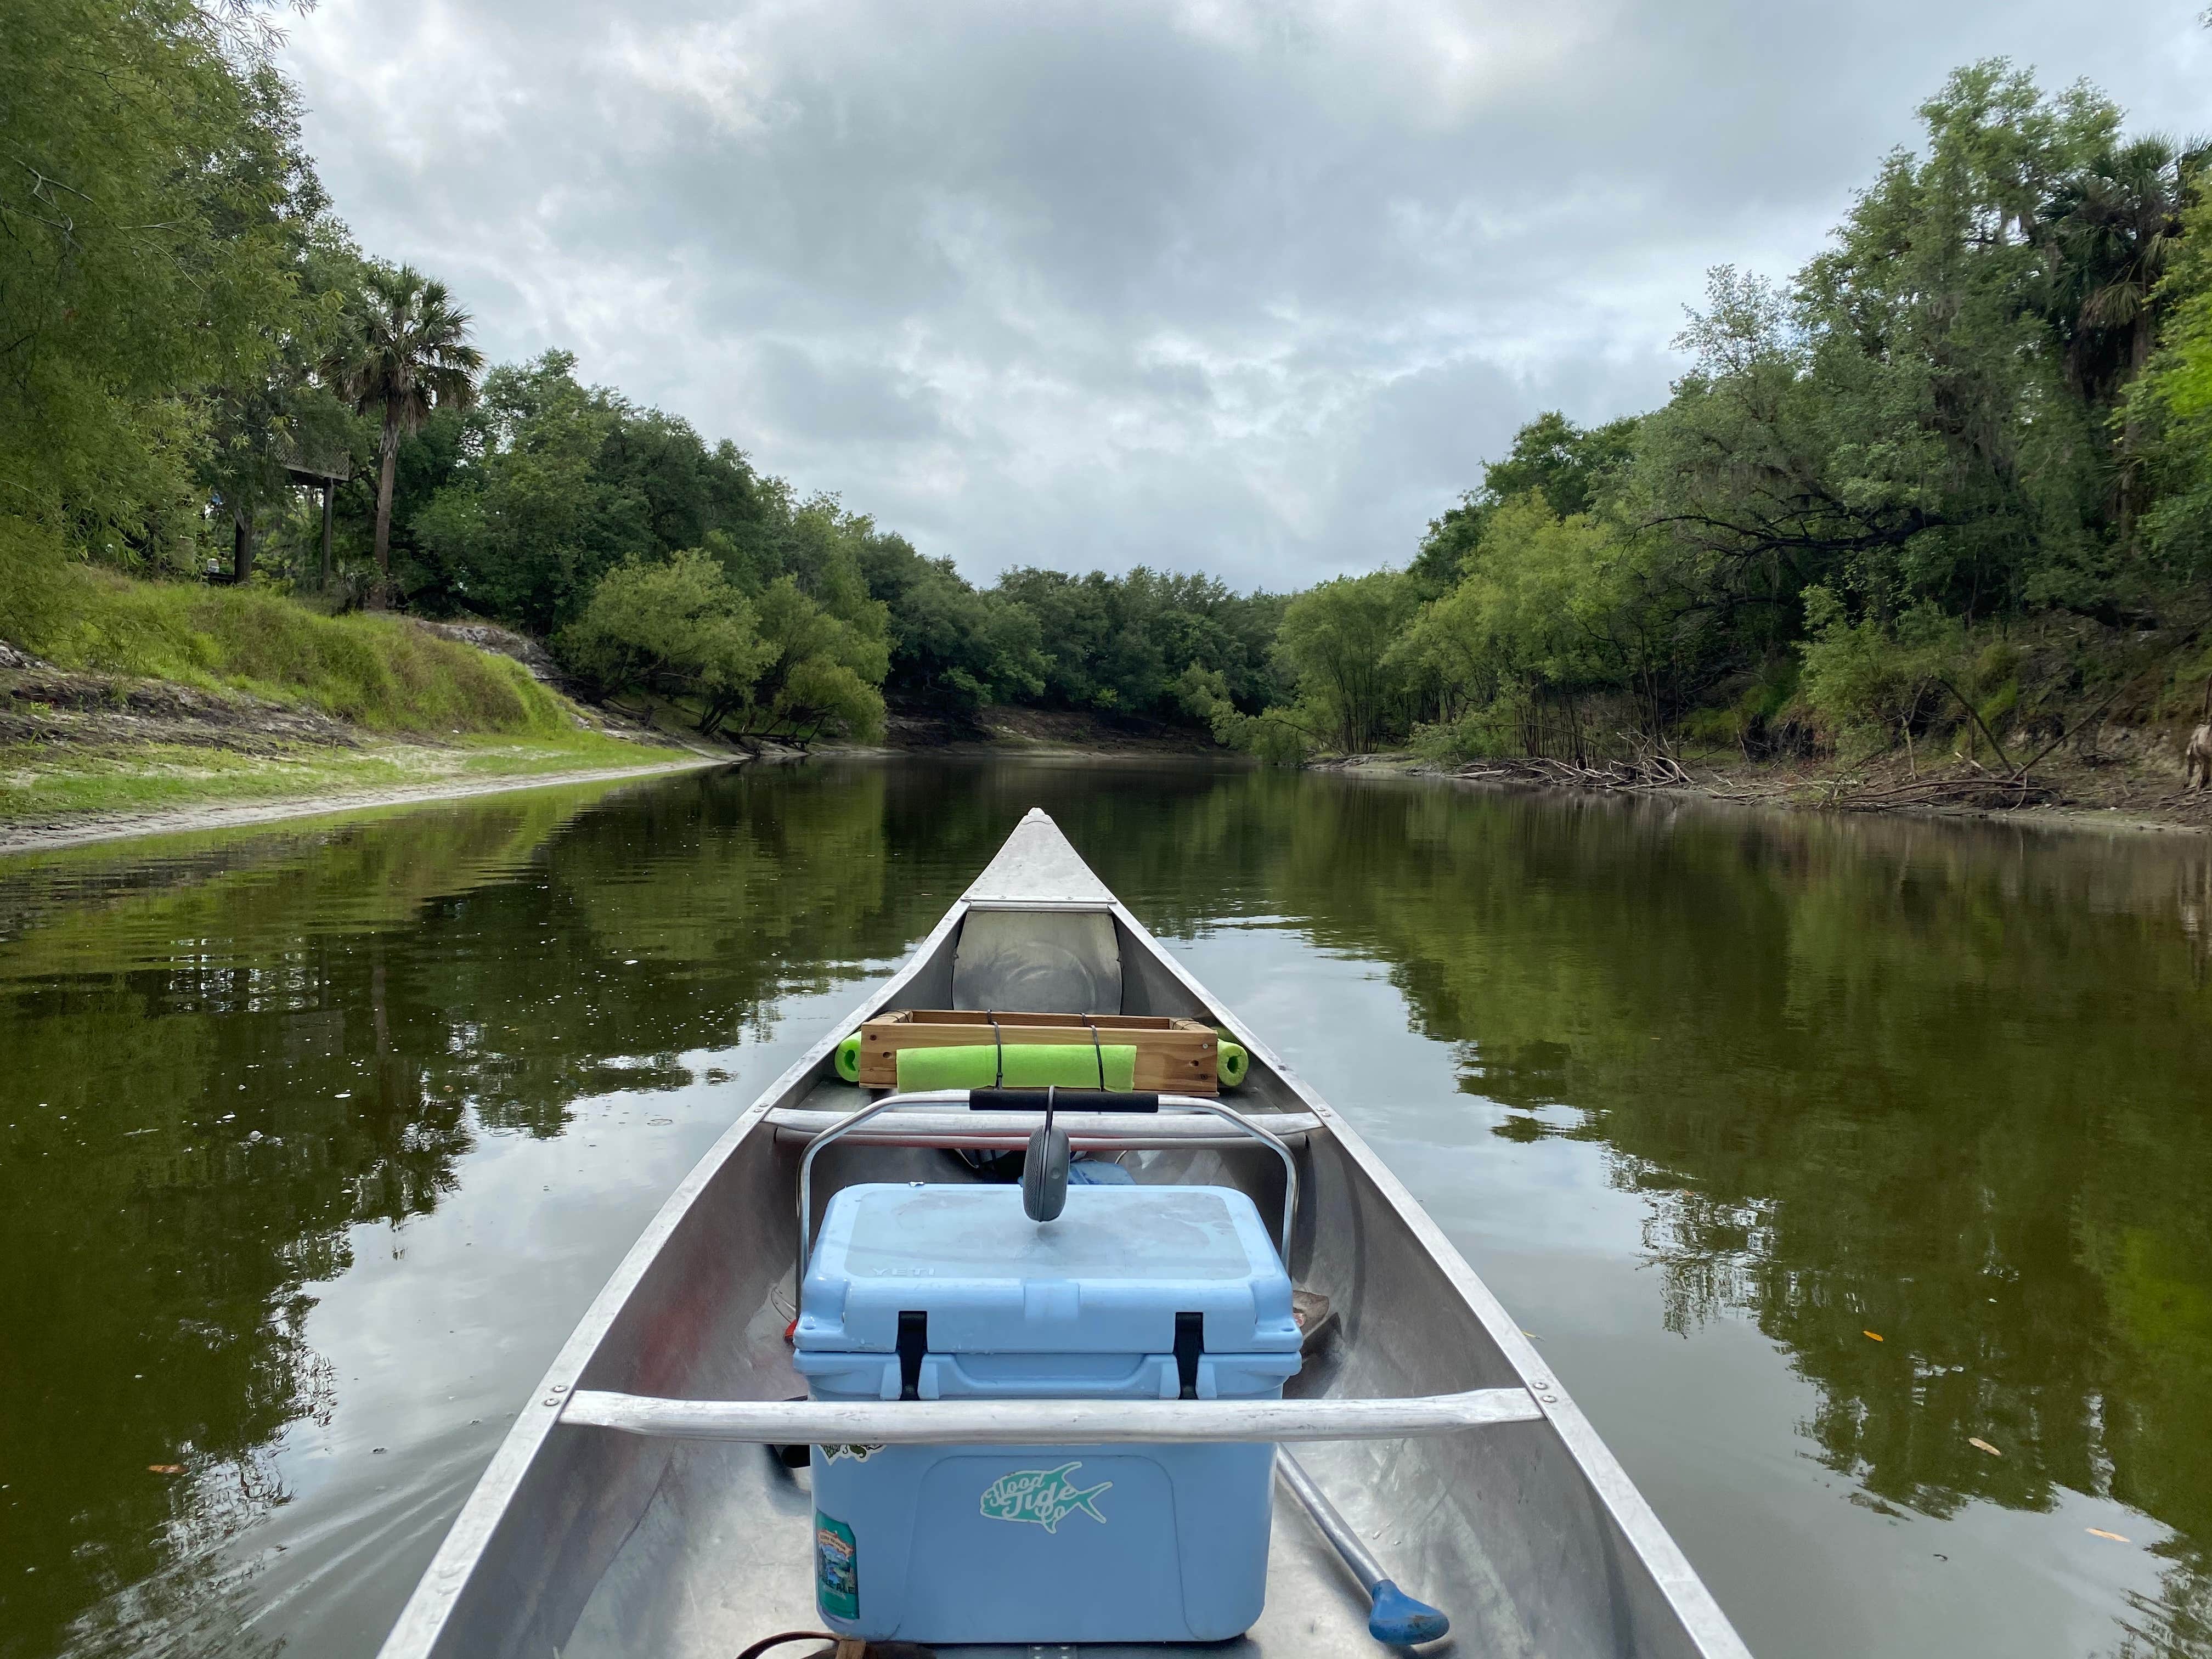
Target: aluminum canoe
632,1510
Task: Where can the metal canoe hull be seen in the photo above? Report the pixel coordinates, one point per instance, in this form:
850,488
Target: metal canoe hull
580,1541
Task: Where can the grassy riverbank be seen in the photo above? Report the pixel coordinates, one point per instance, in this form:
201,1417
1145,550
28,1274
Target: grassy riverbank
382,673
121,698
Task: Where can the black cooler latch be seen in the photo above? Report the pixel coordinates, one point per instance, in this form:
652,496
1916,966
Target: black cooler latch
913,1344
1189,1347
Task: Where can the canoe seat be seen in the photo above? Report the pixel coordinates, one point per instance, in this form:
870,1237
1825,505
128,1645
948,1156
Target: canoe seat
1038,962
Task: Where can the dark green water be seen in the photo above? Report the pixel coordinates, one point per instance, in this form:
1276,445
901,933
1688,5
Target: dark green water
314,1143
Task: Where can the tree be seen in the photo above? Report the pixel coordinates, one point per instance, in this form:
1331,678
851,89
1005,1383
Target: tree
822,673
517,508
678,629
950,644
408,355
282,412
2117,225
1336,639
528,521
1896,424
1569,465
2173,406
147,155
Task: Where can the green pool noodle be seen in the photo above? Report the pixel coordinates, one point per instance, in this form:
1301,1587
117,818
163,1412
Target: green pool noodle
1028,1066
1230,1062
849,1058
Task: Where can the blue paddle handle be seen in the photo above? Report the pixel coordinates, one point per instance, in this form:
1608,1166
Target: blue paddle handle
1397,1619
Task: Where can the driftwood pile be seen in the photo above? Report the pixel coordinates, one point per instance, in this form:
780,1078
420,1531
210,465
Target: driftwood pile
1647,771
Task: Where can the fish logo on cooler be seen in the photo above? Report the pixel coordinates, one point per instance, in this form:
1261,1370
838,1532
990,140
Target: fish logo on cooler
1047,1497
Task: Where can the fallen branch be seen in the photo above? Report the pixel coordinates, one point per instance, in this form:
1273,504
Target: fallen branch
1645,772
1986,792
1976,715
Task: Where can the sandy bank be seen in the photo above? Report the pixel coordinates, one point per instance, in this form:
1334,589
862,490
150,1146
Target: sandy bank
24,837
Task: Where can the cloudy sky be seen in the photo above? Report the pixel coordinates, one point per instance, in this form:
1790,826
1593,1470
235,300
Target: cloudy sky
1247,286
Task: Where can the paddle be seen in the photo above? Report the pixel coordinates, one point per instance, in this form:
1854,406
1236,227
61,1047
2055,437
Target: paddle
1394,1617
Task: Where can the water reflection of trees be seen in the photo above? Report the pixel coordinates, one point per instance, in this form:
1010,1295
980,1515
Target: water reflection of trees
216,1070
1948,1085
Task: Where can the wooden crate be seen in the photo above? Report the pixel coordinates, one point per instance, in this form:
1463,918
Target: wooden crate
1176,1056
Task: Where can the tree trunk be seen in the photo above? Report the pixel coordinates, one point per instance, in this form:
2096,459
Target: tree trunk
2139,348
241,546
328,489
387,465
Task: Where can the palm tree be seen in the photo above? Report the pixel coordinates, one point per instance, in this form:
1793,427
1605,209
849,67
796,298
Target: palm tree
409,352
2117,224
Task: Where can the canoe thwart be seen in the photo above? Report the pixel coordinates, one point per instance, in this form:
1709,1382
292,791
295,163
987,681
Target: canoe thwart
1045,1422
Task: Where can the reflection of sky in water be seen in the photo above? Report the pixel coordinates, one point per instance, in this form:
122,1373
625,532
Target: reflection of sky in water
563,984
444,1324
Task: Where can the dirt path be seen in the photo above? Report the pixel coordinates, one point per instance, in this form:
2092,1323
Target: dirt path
217,815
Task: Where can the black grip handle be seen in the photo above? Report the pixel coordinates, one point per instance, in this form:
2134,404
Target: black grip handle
1063,1100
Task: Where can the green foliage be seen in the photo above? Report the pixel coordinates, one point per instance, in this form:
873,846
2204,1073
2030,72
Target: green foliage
1986,404
282,412
678,629
1569,466
1878,678
381,672
949,643
821,675
1923,416
1550,611
149,172
1124,642
778,663
2172,408
1336,640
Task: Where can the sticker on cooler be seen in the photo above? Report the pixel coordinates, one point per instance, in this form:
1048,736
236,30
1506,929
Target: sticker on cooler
836,1568
858,1453
1047,1497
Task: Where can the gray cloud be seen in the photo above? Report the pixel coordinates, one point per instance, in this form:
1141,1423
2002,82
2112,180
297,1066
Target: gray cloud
1245,285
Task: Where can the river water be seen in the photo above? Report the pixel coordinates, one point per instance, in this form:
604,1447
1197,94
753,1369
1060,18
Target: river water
1810,1151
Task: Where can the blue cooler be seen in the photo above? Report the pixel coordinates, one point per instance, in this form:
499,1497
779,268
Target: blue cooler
951,1292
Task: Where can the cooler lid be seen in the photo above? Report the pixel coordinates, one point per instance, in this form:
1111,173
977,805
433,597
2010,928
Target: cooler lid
1109,1276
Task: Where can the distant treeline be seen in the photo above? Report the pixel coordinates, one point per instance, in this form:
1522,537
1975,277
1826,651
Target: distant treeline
660,563
1955,476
